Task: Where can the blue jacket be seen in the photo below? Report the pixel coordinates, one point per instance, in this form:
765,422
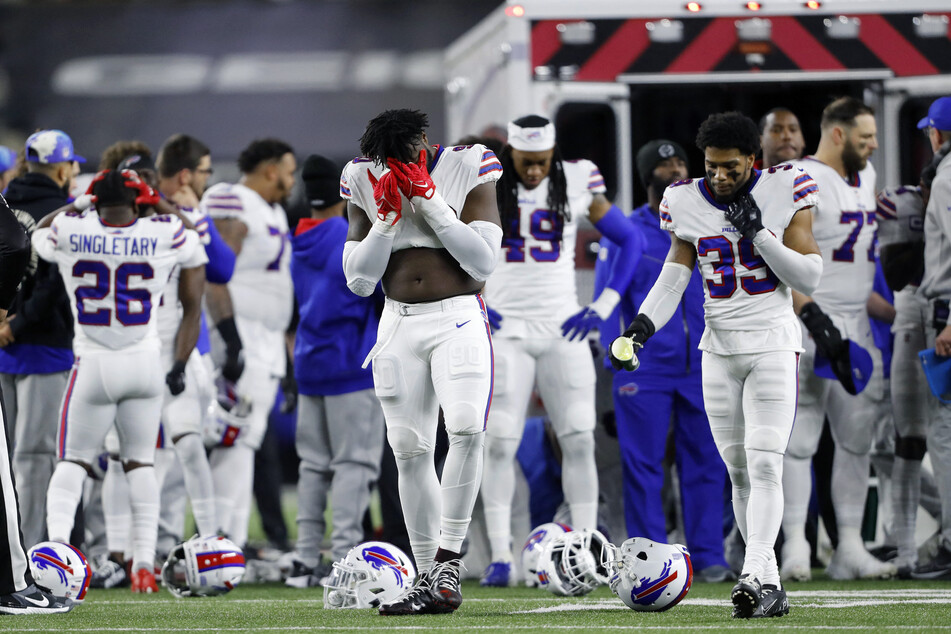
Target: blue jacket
673,348
337,328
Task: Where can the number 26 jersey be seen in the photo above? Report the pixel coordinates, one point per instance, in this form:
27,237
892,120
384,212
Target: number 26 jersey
115,275
741,292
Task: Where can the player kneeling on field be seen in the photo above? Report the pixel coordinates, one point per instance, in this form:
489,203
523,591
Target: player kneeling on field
203,567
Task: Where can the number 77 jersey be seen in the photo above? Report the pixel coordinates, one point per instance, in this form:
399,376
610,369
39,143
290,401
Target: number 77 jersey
741,292
115,275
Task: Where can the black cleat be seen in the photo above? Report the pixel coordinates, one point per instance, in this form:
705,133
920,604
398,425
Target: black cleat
110,573
33,600
772,602
745,597
444,579
417,601
938,568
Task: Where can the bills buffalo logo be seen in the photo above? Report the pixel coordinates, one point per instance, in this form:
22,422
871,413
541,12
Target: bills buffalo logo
381,559
649,590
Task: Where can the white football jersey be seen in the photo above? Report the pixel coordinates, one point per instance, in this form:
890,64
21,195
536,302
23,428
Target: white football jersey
844,226
741,292
261,287
534,279
455,170
900,215
170,309
115,275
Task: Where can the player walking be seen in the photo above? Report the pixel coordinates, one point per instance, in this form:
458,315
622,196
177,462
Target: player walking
751,233
423,219
115,265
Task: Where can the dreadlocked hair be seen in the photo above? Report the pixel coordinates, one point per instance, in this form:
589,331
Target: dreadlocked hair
111,190
392,134
507,191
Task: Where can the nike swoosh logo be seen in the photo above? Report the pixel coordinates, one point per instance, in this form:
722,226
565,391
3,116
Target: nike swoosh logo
463,323
45,603
417,606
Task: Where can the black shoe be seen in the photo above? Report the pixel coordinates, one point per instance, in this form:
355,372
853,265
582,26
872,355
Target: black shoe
32,600
884,552
772,602
444,586
418,600
110,574
937,568
745,597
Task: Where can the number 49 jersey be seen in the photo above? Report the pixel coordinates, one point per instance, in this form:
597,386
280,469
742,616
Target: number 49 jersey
535,276
741,292
114,275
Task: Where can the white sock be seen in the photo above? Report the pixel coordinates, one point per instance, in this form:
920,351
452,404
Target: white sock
198,482
62,499
498,487
906,493
849,487
764,511
116,508
580,479
421,500
461,477
797,489
232,469
145,511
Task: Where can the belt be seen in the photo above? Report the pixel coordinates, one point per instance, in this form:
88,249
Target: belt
449,303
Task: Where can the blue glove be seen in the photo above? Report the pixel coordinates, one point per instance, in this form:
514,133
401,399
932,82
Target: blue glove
580,324
495,318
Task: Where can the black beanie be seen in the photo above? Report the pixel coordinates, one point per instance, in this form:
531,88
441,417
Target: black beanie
654,152
321,178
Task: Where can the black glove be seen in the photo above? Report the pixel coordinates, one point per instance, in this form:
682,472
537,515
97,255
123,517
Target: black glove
638,332
829,341
234,353
175,379
830,344
289,389
744,214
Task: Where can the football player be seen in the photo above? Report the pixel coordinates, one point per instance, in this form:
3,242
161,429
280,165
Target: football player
542,198
423,220
115,265
251,311
844,221
751,233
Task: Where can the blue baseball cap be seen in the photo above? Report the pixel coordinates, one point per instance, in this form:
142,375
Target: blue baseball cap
853,373
8,158
939,115
51,146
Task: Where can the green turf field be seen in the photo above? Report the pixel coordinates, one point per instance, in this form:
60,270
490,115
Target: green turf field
826,605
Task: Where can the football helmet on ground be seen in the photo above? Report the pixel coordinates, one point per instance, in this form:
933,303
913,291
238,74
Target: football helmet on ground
649,576
536,542
61,570
372,573
573,563
203,567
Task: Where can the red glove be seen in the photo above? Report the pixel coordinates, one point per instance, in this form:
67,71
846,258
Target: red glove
146,197
386,193
413,178
95,181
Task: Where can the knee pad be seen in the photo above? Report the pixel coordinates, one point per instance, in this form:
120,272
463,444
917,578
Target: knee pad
734,457
910,447
767,439
406,442
464,418
500,450
766,466
577,444
578,418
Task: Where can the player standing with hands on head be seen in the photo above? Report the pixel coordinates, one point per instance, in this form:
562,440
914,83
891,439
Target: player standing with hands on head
116,264
751,233
423,220
541,333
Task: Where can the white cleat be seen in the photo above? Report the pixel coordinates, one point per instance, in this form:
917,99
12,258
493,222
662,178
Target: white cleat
796,556
850,562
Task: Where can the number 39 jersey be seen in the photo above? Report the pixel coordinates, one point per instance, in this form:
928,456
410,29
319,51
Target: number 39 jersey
261,287
844,226
741,292
115,276
534,280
